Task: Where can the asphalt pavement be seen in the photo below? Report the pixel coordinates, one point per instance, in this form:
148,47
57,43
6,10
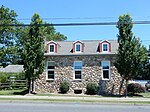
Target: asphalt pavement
70,107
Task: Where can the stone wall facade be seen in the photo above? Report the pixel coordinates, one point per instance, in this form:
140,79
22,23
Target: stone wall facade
91,72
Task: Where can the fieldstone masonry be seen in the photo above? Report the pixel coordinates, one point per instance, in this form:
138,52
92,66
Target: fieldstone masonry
91,72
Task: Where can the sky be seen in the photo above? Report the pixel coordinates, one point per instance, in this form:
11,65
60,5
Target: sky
85,11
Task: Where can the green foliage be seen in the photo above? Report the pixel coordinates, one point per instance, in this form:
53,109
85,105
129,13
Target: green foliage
144,74
64,87
132,55
33,47
92,88
135,88
13,92
7,36
49,32
6,81
12,37
15,86
5,77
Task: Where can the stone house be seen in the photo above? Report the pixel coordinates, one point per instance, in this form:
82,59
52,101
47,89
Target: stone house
80,62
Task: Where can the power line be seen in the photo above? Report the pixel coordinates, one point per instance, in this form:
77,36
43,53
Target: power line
74,24
82,18
70,18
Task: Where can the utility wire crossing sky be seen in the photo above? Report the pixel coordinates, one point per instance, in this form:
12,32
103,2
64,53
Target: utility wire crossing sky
85,11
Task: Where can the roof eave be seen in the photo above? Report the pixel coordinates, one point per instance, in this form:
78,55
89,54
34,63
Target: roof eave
81,54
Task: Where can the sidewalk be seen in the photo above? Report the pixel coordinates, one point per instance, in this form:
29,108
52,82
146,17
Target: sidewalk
76,99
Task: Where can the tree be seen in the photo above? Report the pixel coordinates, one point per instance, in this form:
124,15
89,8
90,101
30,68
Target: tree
11,37
49,32
33,54
131,54
8,37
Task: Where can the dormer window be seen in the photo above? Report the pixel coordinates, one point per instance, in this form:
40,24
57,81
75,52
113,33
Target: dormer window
78,47
51,48
105,46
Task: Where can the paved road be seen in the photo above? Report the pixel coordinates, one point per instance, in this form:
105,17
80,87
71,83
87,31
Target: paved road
71,107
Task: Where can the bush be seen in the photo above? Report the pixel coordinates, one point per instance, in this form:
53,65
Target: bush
92,88
4,77
64,87
135,88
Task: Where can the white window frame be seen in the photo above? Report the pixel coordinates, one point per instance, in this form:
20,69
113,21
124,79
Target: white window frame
77,70
109,77
50,70
107,47
49,48
76,48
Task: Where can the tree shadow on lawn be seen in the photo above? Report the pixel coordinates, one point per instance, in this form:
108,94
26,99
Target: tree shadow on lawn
119,96
23,92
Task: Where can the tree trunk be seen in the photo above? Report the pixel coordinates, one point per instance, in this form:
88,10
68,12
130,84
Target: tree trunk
126,91
29,85
121,86
32,89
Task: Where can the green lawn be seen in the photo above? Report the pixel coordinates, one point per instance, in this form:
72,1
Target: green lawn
24,91
146,94
13,92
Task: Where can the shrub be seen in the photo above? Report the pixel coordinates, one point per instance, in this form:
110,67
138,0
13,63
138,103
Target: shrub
64,87
4,77
92,88
135,88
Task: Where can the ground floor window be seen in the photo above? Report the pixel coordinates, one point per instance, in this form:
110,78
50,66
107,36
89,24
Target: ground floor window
78,70
105,70
50,70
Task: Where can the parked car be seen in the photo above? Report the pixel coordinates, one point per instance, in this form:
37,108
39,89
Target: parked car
147,85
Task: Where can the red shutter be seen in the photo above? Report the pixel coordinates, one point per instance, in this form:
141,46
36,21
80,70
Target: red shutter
109,47
100,47
82,45
56,46
73,47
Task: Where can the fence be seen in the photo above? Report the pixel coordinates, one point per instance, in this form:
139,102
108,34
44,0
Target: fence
14,84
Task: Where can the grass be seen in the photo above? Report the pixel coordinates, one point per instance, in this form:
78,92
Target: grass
70,95
78,100
73,101
13,92
146,94
24,91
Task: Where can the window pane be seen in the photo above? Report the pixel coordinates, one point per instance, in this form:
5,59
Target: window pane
51,48
77,47
78,65
105,47
105,65
106,69
51,65
50,74
77,74
106,74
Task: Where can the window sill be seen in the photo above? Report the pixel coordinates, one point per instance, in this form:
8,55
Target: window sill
50,79
105,79
77,80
